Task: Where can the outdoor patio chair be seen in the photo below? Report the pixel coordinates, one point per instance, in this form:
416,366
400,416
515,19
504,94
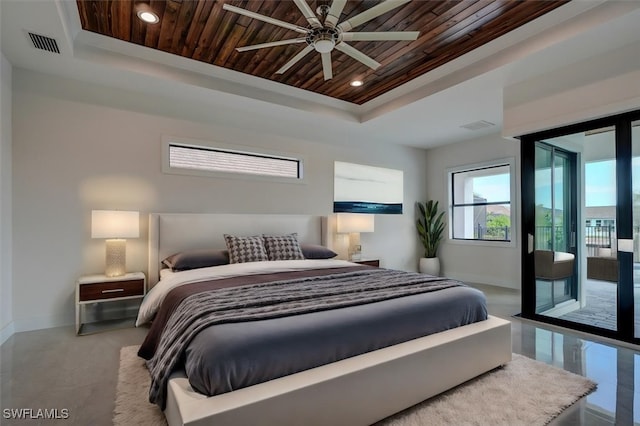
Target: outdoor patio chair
553,265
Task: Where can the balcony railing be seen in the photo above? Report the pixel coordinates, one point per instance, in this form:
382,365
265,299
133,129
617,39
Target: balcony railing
595,237
547,235
493,233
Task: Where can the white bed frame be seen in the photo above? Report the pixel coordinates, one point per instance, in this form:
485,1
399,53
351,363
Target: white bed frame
356,391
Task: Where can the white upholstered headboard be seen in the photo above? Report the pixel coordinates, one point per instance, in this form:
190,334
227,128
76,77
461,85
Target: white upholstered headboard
170,233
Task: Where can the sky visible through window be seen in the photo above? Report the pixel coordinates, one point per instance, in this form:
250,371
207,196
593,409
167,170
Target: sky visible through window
494,188
600,183
600,176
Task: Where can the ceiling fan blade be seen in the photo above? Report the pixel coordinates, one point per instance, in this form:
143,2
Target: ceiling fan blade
357,55
308,13
304,52
334,13
370,14
326,66
271,44
381,36
263,18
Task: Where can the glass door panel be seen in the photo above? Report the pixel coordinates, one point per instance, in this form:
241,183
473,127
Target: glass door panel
598,298
562,202
543,236
576,267
554,255
635,170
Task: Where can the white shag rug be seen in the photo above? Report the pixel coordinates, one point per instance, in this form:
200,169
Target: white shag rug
524,392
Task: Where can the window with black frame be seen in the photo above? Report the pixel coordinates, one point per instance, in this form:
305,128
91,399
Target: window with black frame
481,202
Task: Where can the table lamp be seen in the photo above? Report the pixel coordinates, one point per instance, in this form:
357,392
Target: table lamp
115,226
353,224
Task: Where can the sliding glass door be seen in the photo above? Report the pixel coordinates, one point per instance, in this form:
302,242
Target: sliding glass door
635,168
581,226
555,227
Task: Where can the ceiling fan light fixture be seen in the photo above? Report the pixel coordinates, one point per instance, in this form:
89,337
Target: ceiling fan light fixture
323,46
356,83
148,16
323,40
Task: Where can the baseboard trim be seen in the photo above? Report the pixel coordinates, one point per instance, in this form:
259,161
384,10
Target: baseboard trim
41,323
479,279
107,312
7,331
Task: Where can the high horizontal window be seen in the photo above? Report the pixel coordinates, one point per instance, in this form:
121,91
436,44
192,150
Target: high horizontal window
481,198
207,160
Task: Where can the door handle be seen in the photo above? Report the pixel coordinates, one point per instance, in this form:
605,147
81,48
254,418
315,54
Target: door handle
529,243
625,245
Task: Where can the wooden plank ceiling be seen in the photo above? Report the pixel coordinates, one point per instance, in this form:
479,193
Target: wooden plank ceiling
203,31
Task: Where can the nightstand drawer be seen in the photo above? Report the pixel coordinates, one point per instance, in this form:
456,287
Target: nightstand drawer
111,290
372,262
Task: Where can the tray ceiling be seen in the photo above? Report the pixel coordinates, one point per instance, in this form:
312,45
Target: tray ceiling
203,31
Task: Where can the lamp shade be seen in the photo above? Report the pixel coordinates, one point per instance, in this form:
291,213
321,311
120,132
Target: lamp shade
355,222
115,224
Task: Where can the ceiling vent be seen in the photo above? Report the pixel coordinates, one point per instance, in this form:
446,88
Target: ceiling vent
477,125
44,43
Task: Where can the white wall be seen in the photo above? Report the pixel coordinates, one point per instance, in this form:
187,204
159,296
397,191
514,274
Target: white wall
600,86
74,151
6,311
469,262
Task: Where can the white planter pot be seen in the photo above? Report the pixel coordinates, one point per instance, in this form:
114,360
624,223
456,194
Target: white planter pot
430,265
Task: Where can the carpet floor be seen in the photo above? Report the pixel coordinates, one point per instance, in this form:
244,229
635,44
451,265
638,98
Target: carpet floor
523,392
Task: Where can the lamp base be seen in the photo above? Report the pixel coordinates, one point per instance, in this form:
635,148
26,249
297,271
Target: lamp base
355,249
116,260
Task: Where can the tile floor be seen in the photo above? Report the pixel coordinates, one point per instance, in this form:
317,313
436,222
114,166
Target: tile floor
56,369
615,367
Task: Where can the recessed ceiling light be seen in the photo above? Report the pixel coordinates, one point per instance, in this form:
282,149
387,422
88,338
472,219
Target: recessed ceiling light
148,17
356,83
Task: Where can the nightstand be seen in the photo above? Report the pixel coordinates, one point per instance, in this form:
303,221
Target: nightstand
369,262
98,289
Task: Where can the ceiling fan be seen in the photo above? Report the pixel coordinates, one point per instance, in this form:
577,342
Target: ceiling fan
325,33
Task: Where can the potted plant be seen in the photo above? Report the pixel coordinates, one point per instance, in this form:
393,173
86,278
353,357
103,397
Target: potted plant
430,227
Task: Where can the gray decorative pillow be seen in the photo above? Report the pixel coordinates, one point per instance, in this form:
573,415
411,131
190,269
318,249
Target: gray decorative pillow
245,249
315,251
194,259
283,247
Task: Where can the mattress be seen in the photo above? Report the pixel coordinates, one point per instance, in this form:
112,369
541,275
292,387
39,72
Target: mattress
229,356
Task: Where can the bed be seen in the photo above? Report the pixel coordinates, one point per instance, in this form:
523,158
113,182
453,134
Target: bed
353,389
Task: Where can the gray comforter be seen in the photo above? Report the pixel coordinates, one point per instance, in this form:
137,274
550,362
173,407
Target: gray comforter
238,336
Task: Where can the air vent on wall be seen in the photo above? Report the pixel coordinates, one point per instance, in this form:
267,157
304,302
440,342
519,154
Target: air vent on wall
43,42
477,125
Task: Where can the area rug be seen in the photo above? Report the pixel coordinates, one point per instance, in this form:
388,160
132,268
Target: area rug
523,392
